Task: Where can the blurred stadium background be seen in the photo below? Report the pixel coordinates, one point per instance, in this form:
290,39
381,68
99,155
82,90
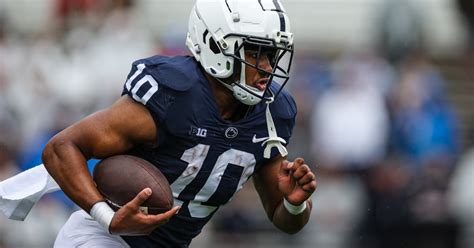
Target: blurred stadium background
385,93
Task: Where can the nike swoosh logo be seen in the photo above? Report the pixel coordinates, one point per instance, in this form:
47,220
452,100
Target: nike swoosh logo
258,140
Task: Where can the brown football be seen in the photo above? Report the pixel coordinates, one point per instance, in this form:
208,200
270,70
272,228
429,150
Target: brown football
120,178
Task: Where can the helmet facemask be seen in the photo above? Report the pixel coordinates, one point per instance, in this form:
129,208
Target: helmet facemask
261,48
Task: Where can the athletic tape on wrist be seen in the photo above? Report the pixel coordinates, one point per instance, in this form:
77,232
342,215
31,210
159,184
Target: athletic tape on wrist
103,214
292,209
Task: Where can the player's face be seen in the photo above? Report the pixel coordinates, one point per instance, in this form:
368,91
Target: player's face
254,77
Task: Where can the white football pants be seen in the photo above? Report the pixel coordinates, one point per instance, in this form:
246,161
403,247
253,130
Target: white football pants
81,230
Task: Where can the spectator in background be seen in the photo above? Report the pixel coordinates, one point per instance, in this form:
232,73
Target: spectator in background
350,120
424,123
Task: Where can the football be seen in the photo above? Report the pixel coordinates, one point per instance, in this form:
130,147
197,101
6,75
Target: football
120,178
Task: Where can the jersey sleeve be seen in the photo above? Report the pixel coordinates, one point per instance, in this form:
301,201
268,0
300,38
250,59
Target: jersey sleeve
146,89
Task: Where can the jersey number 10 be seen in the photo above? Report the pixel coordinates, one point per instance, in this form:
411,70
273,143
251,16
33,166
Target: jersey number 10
231,170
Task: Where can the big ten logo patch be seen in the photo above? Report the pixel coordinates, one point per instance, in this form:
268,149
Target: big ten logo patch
197,131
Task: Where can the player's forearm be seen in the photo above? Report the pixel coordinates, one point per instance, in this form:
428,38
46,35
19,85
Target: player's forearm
67,165
290,223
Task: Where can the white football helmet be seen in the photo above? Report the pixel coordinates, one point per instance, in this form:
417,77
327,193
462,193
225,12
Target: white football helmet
220,30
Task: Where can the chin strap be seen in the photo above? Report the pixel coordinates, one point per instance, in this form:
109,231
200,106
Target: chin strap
241,94
273,139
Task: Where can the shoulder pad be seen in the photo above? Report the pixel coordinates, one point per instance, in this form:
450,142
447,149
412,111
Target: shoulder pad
177,73
284,105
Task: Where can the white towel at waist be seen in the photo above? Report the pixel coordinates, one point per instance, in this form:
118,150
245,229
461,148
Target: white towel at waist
18,194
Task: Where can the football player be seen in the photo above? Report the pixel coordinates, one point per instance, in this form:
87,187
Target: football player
209,122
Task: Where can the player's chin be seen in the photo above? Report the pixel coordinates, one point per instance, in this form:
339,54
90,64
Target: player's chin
257,90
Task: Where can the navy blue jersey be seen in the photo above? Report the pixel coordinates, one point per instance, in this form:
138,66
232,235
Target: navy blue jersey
205,158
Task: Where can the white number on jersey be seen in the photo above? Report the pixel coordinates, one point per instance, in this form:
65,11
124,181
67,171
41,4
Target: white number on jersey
195,157
144,81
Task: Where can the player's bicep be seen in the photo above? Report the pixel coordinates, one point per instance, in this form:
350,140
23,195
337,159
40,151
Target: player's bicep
113,130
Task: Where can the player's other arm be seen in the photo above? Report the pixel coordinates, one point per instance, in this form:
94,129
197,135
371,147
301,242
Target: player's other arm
293,181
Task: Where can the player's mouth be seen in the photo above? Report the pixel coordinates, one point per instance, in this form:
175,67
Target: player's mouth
261,84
